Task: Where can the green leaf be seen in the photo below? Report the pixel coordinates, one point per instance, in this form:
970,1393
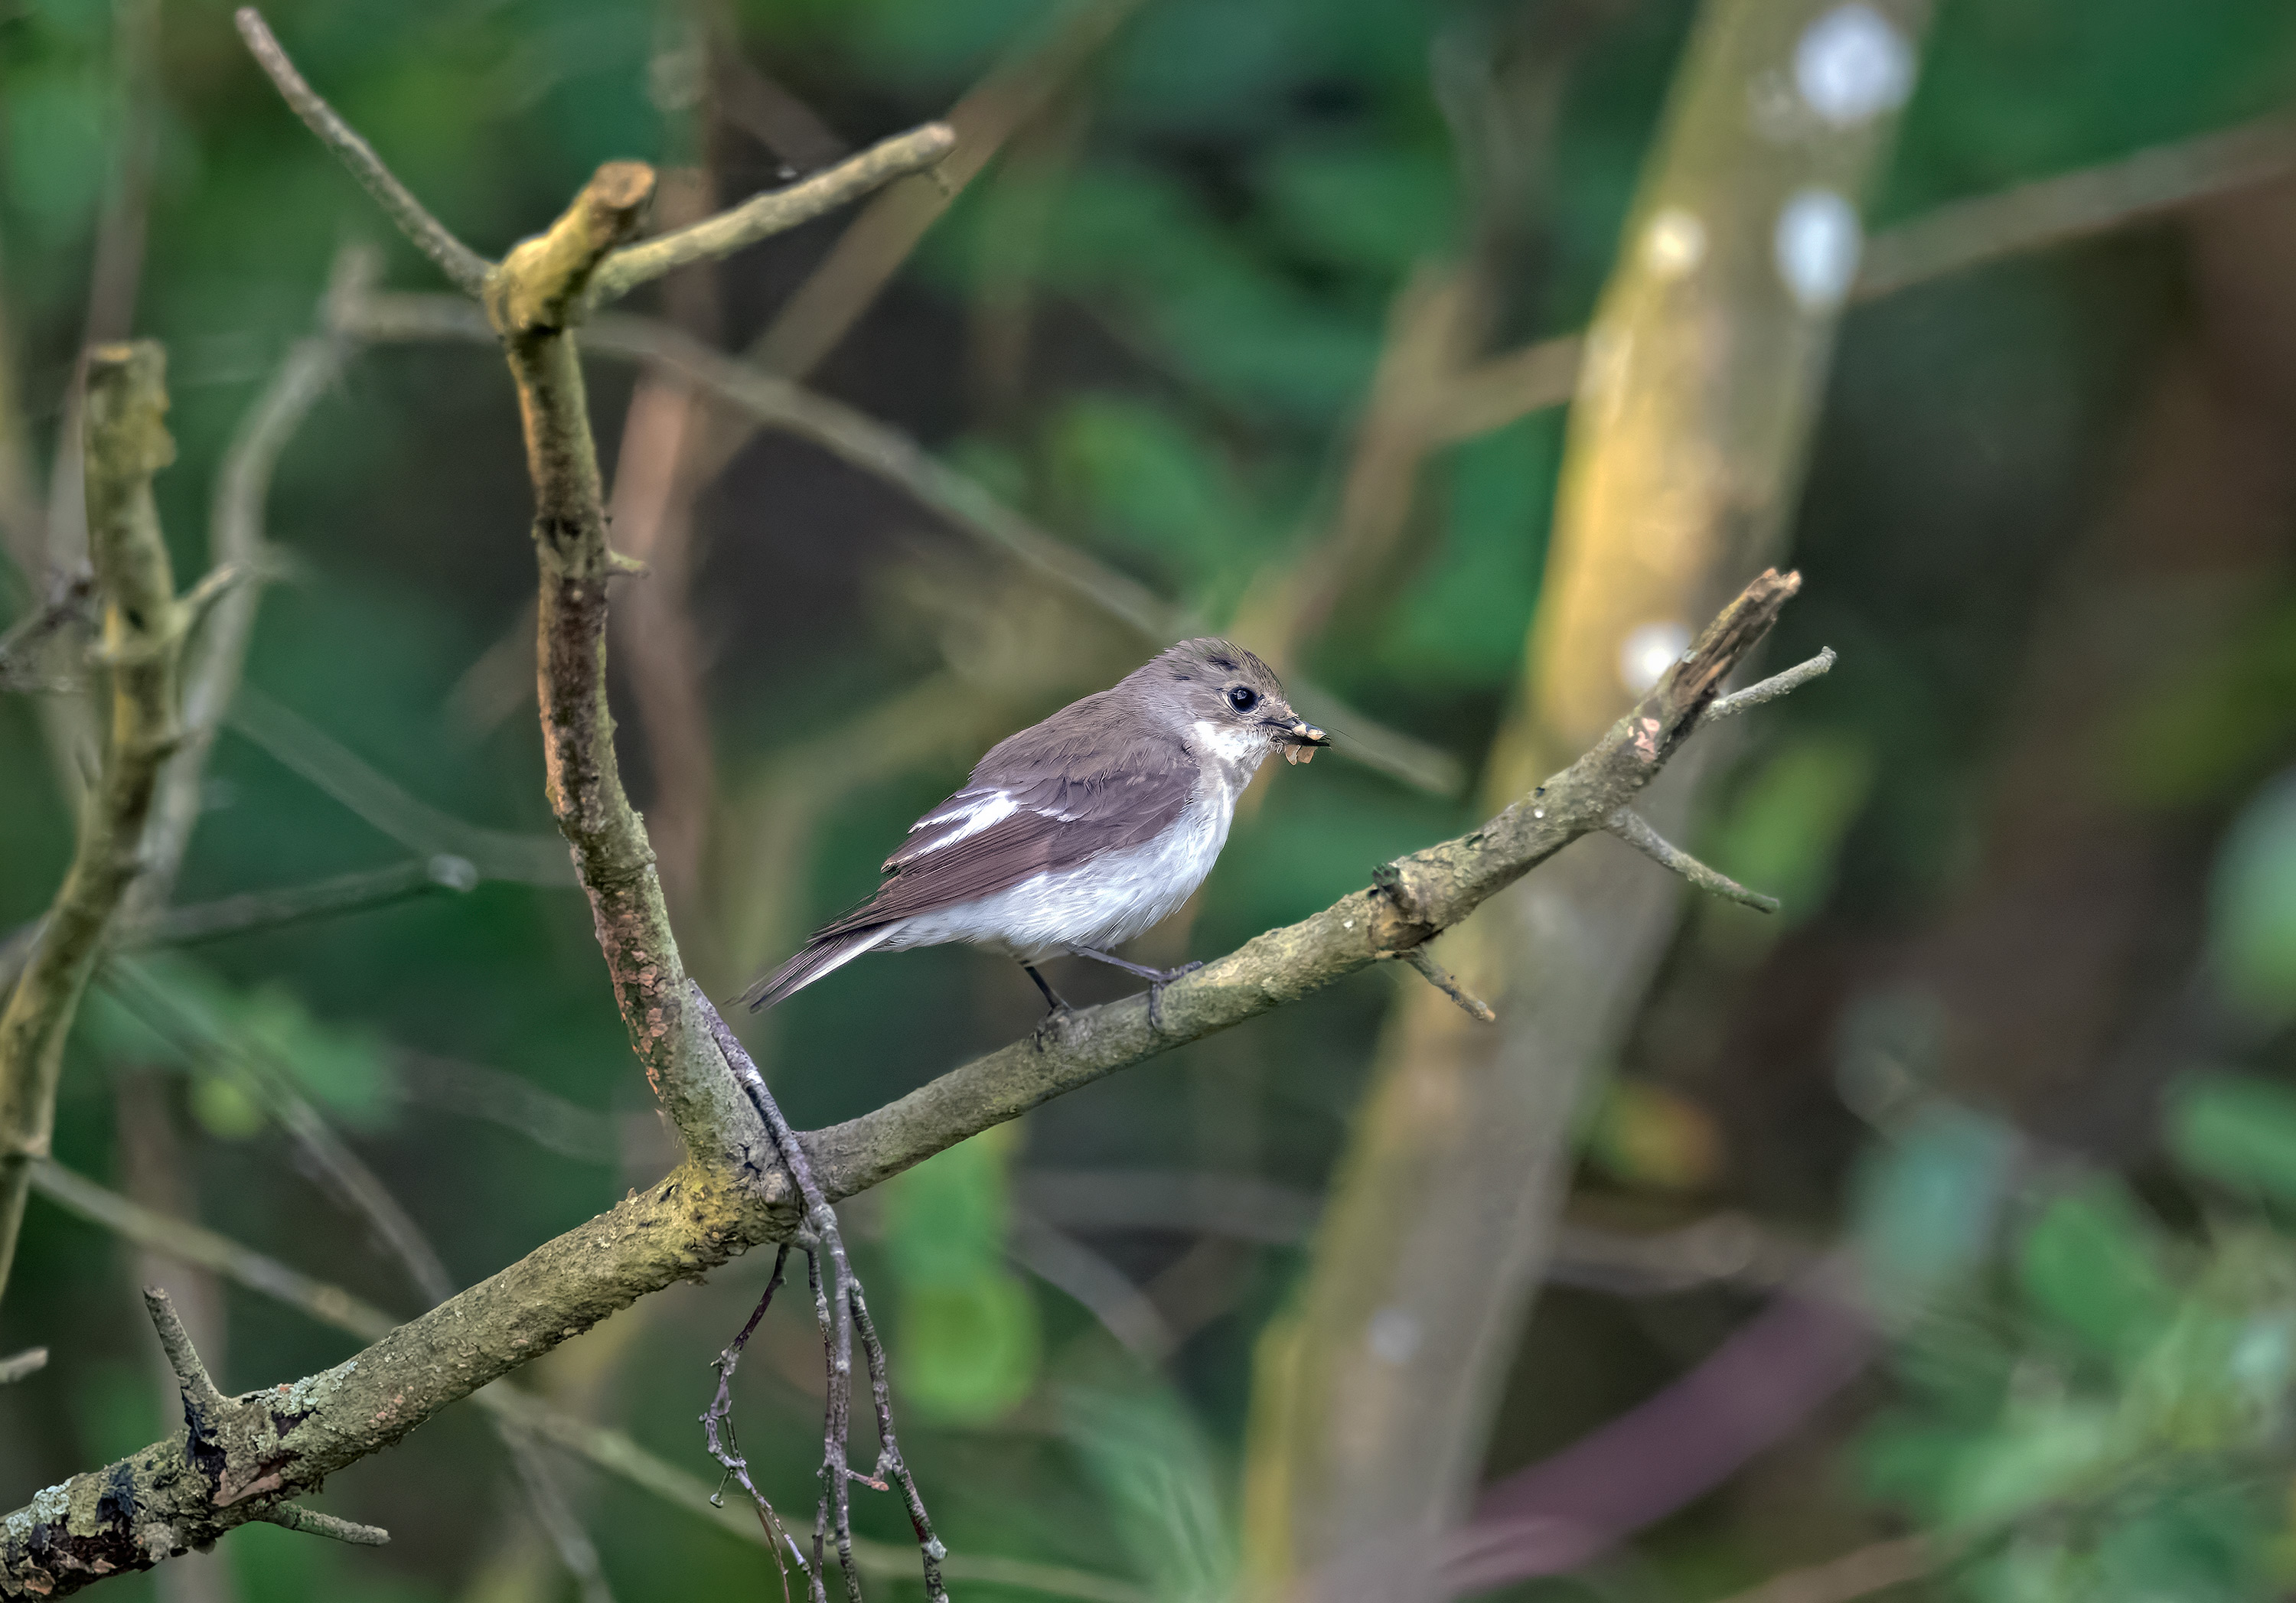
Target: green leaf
1925,1204
2235,1129
2088,1264
968,1351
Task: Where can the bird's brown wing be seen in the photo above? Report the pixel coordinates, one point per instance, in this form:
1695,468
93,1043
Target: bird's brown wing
1050,797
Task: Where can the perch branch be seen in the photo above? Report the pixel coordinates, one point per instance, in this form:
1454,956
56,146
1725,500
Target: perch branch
465,266
1634,830
156,1502
126,442
610,1451
775,212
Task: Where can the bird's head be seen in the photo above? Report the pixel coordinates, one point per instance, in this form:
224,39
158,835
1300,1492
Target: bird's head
1229,696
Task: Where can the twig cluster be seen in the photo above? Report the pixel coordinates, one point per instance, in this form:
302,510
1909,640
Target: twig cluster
841,1308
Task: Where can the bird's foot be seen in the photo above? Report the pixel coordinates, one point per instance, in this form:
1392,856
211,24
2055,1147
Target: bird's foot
1052,1025
1156,984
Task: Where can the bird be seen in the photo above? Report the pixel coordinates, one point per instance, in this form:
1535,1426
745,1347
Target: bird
1078,834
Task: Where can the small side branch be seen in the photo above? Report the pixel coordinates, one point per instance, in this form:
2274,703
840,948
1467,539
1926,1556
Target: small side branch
1634,830
1770,689
15,1367
199,1392
312,1523
775,212
455,259
1473,1006
69,599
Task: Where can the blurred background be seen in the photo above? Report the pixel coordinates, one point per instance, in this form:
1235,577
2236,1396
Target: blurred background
1928,1238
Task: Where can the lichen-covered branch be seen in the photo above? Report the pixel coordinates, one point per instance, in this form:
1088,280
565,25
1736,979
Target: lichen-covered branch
1414,899
126,442
164,1499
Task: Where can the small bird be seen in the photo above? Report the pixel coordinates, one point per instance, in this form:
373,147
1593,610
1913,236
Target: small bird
1078,833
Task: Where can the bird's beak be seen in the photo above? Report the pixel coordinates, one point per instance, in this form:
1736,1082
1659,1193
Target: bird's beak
1301,739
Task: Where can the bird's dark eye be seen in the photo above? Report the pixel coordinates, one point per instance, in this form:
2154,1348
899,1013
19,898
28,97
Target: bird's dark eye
1243,698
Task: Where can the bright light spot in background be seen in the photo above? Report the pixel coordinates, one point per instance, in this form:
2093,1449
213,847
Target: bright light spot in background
1851,65
1648,651
1674,243
1392,1335
1817,245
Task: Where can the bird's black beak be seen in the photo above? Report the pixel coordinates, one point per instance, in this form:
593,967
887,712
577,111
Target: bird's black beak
1301,741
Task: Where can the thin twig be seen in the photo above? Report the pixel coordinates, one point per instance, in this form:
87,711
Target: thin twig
837,1334
198,1388
1770,689
1635,830
310,1521
1856,1574
14,1368
214,658
465,266
775,212
718,1421
253,911
1473,1006
68,602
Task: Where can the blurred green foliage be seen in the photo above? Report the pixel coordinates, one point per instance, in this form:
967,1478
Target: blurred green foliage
2090,1397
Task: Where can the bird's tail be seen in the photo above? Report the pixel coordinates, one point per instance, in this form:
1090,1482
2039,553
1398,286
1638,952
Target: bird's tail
818,958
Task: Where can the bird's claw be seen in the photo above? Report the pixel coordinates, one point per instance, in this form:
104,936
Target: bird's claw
1156,993
1054,1021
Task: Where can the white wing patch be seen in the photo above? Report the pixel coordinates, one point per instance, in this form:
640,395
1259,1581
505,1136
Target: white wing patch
984,809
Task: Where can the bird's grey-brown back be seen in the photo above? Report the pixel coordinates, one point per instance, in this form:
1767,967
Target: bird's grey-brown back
1083,830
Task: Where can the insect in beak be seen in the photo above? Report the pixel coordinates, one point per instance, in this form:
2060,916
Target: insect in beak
1301,741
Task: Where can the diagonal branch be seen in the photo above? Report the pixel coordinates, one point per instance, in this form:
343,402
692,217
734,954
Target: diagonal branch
159,1501
775,212
465,266
1635,830
770,401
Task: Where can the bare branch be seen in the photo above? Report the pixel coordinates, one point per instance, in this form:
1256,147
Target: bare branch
14,1368
126,442
775,212
263,910
198,1390
312,1523
1473,1006
461,264
304,748
1634,830
1770,689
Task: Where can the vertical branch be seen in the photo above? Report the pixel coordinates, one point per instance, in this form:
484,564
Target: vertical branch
1703,373
532,299
126,442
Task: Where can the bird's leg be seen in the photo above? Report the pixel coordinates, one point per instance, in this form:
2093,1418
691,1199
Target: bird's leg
1054,1002
1056,1006
1156,978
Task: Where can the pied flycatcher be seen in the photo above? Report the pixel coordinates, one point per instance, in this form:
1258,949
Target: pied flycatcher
1078,833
